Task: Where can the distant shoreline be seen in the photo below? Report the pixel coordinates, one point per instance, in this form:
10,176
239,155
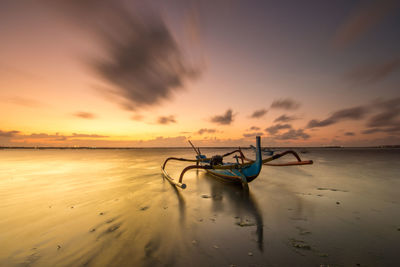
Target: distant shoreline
133,148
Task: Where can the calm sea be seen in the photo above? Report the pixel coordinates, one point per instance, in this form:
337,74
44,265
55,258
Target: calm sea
113,208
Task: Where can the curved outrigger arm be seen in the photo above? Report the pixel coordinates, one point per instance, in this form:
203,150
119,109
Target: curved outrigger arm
179,159
293,163
180,183
169,178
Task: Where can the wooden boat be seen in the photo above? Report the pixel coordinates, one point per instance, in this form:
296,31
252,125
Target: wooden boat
241,172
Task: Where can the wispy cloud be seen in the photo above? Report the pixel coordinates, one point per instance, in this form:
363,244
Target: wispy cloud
285,118
224,119
363,20
276,133
387,119
137,117
141,61
8,133
166,119
354,113
259,113
84,115
248,135
57,139
285,103
60,136
293,134
76,135
374,73
254,128
276,128
10,70
25,101
390,130
45,137
206,130
384,117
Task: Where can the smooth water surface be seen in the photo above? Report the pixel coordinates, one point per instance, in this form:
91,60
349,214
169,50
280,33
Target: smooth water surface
112,207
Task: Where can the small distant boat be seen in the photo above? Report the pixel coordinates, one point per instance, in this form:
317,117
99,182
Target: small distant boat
242,172
265,151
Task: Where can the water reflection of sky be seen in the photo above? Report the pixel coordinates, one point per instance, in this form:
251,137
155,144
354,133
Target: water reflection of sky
112,207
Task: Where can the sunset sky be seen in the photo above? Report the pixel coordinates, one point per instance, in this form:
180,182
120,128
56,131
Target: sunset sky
122,73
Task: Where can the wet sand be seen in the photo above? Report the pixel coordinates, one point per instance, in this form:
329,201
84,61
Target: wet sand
113,208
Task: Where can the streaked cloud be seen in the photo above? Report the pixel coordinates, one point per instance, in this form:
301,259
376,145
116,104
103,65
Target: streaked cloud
84,115
387,119
10,69
86,140
390,112
293,134
259,113
277,127
137,117
374,72
254,128
390,130
76,135
62,137
354,113
25,101
384,117
363,20
166,119
8,133
224,119
162,141
285,118
279,132
46,137
206,130
141,61
247,135
285,103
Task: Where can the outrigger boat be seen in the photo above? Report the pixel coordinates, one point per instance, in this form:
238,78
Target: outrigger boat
241,172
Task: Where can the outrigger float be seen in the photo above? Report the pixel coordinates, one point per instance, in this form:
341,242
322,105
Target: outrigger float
242,172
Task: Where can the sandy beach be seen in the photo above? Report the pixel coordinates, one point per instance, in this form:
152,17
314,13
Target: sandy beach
113,208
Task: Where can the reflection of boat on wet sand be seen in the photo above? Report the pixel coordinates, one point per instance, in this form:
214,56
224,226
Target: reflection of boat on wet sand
240,203
241,172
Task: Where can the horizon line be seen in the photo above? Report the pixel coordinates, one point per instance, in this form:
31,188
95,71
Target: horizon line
206,147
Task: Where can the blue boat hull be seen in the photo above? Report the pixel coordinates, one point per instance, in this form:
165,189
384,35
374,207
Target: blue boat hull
230,175
246,174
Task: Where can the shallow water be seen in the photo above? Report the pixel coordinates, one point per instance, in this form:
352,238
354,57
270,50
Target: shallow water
113,208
